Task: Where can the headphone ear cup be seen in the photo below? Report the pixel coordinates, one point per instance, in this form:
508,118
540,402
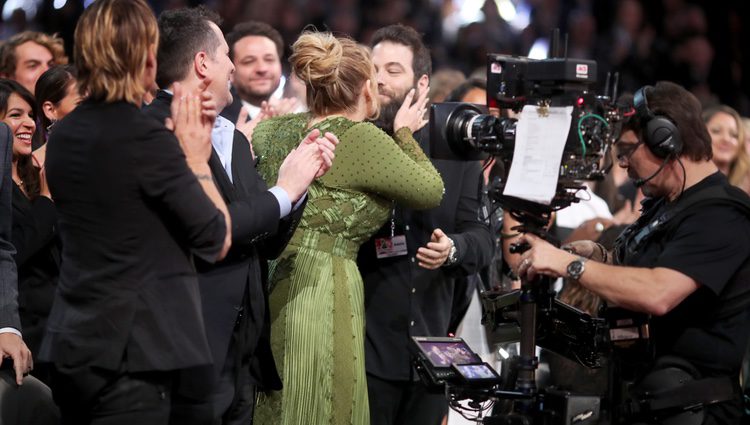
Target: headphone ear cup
663,137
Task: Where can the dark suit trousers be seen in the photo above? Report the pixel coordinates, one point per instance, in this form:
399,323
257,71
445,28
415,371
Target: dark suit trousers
404,403
100,397
232,399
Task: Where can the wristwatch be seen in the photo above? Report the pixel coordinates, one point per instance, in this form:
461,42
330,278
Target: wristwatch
576,268
452,255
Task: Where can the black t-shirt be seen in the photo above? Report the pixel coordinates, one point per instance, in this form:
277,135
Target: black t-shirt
711,245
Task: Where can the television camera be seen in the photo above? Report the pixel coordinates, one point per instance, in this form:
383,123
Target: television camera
469,132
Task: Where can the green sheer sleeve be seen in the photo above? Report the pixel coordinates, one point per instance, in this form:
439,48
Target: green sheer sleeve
368,160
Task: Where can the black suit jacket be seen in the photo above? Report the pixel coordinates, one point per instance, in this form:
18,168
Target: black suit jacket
404,300
256,229
131,216
8,278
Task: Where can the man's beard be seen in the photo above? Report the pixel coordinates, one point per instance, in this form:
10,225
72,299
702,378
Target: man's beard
388,112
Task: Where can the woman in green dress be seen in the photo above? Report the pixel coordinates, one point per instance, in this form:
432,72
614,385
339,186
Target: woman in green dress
316,299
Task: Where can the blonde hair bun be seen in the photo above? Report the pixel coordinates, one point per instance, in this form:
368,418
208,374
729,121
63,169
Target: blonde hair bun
316,58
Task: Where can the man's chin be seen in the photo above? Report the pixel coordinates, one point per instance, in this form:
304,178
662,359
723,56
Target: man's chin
385,100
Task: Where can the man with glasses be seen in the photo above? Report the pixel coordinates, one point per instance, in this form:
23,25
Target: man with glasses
685,262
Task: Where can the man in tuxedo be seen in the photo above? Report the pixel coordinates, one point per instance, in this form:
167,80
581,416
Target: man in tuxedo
411,293
256,50
192,50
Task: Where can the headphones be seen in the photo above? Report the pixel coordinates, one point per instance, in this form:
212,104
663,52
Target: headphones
659,132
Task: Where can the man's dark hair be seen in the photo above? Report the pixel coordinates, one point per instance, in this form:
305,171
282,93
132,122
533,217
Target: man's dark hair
254,28
182,34
684,109
421,63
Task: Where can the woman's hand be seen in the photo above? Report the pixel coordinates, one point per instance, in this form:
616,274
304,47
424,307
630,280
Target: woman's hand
412,115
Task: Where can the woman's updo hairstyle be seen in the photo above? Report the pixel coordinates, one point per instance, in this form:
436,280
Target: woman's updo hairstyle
333,70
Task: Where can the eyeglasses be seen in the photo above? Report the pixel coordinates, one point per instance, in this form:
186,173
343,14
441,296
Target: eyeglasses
623,151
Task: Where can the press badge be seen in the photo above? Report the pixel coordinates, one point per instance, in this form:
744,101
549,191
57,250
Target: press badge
394,245
390,246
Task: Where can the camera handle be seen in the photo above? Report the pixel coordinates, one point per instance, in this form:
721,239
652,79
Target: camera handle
534,294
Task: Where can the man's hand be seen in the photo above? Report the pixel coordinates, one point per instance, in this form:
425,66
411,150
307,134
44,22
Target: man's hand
412,115
434,254
191,125
542,258
11,345
247,127
209,108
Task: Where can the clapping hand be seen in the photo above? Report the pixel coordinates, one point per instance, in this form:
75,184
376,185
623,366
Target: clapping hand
192,120
311,159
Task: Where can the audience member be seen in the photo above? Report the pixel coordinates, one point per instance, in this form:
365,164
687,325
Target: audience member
56,95
12,346
34,220
316,300
23,401
25,56
192,50
728,144
410,293
135,204
256,49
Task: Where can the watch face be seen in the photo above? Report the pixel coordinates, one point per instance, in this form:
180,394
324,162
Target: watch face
575,269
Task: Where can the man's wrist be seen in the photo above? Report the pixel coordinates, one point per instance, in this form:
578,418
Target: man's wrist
10,330
452,254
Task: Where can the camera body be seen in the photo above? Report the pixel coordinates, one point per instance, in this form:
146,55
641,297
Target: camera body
471,132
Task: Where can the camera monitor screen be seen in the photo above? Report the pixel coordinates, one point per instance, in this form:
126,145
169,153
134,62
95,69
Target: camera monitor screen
442,352
477,372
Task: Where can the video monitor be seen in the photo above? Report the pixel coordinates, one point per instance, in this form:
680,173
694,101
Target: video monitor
477,373
443,352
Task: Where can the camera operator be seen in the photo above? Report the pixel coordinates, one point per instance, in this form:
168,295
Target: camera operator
684,262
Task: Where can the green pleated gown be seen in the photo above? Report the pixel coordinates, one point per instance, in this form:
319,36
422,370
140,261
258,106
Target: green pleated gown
316,298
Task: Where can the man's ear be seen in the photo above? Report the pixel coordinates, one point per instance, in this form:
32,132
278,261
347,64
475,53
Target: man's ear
422,84
200,64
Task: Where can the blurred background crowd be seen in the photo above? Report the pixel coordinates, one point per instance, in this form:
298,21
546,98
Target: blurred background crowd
697,44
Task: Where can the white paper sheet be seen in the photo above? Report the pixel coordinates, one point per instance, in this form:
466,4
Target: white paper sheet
540,141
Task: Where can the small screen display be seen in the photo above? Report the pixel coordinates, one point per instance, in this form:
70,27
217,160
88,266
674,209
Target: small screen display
473,372
445,353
